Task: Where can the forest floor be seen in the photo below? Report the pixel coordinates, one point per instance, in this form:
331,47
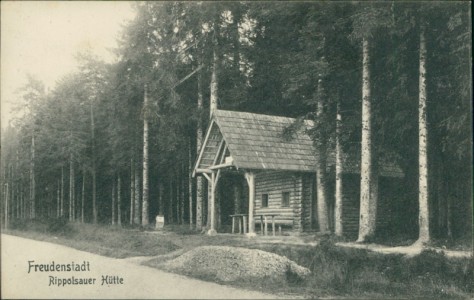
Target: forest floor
342,272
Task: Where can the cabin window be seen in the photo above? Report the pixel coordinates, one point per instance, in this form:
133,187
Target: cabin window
285,199
264,200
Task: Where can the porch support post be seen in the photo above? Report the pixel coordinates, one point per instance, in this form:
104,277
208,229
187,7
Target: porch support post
251,182
212,198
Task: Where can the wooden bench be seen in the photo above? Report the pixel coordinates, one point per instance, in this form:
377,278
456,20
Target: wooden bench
240,220
264,222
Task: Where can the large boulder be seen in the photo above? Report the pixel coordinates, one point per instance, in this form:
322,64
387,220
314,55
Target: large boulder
235,263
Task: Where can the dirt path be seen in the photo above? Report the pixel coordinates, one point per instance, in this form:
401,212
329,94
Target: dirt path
126,280
405,250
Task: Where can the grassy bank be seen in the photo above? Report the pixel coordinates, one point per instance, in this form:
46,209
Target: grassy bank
347,272
336,271
100,239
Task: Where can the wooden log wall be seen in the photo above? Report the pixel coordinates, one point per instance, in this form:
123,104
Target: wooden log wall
274,183
350,204
309,201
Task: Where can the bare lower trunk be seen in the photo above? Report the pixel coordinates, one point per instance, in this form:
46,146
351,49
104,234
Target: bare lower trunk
6,205
71,191
423,200
161,207
32,180
12,188
178,219
182,194
132,191
94,179
368,199
338,228
190,185
113,202
321,167
449,225
170,203
199,181
83,193
18,185
145,216
23,202
209,210
119,201
137,217
62,191
58,204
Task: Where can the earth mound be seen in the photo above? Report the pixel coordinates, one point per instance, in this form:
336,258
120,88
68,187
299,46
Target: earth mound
235,263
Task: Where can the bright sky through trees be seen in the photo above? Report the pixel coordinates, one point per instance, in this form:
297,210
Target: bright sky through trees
42,37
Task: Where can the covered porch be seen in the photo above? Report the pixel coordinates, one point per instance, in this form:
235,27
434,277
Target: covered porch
250,147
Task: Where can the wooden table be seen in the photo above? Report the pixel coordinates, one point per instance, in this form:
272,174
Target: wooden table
242,220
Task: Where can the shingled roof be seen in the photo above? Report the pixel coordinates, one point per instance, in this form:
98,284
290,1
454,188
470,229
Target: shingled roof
255,141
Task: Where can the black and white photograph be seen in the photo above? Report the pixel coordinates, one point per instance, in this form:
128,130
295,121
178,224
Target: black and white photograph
236,150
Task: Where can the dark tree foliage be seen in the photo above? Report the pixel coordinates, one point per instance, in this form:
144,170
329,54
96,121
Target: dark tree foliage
271,55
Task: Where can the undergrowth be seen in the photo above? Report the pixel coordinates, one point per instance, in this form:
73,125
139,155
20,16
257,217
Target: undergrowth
357,272
105,240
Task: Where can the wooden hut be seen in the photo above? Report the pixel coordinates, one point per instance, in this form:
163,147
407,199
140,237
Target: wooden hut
279,172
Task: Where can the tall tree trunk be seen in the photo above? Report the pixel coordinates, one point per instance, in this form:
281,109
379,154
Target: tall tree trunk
145,216
17,184
237,14
83,193
178,194
113,202
71,186
368,195
449,224
58,205
190,183
209,206
170,206
73,192
423,200
23,202
6,205
12,188
214,84
199,132
338,227
119,201
137,217
94,179
161,190
213,101
62,191
32,180
321,165
183,193
132,190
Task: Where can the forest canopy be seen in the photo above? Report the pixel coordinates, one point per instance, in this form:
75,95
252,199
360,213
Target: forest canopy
77,151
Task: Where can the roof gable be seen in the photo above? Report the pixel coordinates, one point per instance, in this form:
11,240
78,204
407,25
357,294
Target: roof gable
255,142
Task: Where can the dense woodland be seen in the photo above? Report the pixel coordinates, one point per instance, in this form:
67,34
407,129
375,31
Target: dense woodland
116,143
